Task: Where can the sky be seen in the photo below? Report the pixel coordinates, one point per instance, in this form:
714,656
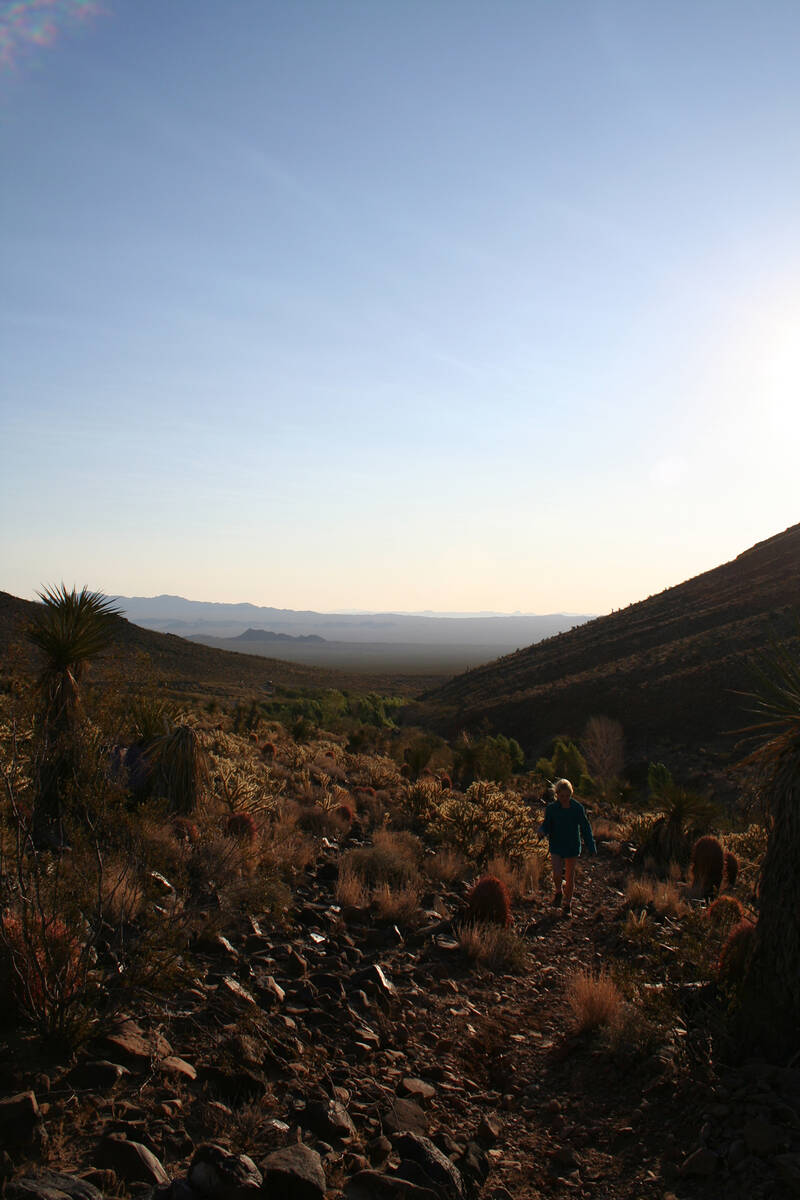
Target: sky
396,305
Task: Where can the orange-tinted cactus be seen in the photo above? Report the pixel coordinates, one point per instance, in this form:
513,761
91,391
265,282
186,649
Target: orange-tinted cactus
490,901
241,826
707,866
736,952
731,868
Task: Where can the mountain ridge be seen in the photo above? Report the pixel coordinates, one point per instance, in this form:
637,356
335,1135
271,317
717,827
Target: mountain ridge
673,665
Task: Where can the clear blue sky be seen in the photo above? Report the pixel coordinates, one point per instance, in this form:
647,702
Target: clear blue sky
398,305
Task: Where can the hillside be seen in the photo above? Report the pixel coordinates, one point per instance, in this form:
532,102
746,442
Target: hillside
668,667
140,655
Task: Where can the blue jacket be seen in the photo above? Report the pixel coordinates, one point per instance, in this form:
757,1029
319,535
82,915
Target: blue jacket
564,827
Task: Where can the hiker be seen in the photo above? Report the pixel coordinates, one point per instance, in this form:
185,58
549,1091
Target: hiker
564,822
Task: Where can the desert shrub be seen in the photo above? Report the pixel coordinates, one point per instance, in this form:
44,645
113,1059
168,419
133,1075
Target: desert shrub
494,947
638,927
417,755
350,890
285,850
660,896
726,911
445,866
241,825
708,862
639,892
390,859
316,821
186,831
495,758
399,904
43,967
607,830
595,1000
630,1035
735,955
521,877
566,762
667,901
484,821
489,902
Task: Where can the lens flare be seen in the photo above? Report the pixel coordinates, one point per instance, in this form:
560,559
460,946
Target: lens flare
27,24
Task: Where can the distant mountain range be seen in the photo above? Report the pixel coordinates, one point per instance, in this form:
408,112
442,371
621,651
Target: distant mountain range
670,667
192,618
266,635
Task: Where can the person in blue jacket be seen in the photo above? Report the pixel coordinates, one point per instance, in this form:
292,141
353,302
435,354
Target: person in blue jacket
564,822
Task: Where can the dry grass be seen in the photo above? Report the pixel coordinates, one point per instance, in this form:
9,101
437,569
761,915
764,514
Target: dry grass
606,830
392,859
396,904
501,950
595,1000
122,894
667,900
520,879
639,893
638,927
663,897
445,866
350,891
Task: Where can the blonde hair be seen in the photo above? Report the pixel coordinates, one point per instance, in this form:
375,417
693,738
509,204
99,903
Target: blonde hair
564,783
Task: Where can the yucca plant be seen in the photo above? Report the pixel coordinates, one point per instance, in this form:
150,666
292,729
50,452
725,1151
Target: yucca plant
71,628
771,988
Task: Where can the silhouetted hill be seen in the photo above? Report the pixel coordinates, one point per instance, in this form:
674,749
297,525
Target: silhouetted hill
141,655
668,667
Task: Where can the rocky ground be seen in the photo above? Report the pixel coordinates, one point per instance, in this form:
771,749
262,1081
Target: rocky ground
340,1055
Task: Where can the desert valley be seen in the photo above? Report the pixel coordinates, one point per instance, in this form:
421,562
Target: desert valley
275,929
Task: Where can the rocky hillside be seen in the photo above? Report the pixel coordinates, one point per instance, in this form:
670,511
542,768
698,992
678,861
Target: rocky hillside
669,668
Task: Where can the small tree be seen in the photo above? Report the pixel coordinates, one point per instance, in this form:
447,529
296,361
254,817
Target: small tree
603,745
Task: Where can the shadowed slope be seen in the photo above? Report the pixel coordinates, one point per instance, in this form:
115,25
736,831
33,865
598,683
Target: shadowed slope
668,667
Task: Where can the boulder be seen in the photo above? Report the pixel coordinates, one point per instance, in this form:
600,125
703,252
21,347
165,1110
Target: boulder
50,1185
217,1173
421,1152
294,1173
130,1161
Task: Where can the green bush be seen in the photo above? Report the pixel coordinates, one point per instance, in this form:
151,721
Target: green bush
494,758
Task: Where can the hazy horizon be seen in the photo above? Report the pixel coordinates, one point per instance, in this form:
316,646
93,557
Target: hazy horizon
397,308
